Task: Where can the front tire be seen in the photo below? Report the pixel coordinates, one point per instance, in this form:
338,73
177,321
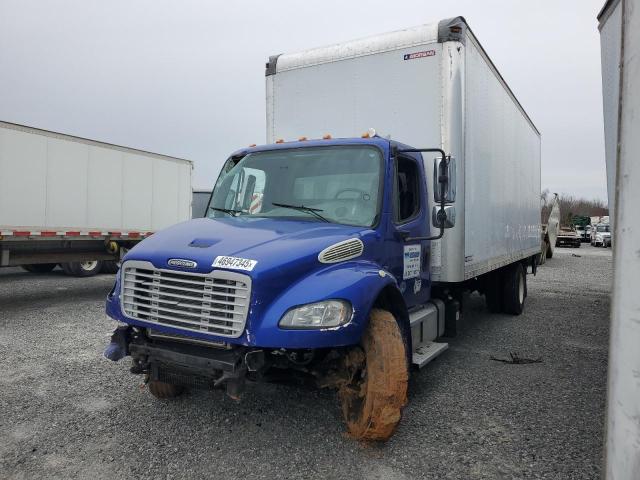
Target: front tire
372,402
549,251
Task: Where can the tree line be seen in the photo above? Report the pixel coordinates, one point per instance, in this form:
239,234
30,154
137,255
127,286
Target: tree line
571,207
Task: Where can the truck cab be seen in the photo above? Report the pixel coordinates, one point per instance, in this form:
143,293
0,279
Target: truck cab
302,244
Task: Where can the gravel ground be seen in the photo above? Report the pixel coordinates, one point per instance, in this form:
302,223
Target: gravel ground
69,413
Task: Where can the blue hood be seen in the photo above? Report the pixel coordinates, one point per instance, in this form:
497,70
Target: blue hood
289,245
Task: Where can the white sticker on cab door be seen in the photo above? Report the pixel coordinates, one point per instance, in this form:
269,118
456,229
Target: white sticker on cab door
411,261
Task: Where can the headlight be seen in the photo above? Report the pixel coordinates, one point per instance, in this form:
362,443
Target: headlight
327,314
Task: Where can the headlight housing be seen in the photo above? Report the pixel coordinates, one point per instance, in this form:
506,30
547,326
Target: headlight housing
326,314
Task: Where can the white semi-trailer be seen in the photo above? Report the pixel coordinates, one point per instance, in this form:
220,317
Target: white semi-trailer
77,202
432,85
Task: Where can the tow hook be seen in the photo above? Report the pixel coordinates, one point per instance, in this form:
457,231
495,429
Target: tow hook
118,348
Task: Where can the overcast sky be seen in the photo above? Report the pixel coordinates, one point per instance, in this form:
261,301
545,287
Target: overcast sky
186,78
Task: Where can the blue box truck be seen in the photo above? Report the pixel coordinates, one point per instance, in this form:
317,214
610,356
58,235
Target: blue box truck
337,255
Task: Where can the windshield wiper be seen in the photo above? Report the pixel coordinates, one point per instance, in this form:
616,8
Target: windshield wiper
302,208
233,213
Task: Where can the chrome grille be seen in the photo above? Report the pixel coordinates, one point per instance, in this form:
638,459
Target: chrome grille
216,303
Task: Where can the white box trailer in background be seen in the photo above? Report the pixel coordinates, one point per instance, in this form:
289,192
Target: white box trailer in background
620,38
428,86
76,202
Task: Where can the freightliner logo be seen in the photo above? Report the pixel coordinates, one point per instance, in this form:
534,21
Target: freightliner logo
179,262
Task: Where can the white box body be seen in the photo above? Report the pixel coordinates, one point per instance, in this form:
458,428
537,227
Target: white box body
55,182
428,86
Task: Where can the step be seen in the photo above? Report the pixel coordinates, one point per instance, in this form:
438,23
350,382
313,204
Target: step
428,352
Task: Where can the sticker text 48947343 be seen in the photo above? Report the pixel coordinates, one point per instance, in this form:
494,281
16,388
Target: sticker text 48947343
234,263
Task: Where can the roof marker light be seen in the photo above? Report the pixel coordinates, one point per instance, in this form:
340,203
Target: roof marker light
369,133
327,136
302,139
252,145
280,140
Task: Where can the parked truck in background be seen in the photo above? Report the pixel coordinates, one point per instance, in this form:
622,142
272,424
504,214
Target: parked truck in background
78,203
344,257
549,234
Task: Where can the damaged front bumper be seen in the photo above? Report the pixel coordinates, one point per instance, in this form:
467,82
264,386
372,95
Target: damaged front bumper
180,362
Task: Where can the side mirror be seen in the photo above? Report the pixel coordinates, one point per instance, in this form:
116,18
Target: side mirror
448,215
447,168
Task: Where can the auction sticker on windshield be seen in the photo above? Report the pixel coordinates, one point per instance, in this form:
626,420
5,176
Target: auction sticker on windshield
234,263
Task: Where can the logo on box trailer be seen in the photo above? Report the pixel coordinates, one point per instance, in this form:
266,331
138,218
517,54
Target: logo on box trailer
425,53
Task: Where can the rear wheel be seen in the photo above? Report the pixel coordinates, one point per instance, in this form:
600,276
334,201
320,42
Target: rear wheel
82,269
373,399
39,267
514,289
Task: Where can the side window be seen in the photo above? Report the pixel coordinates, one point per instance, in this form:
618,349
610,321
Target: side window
407,190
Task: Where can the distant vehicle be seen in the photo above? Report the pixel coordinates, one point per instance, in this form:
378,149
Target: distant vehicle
549,232
78,203
587,234
601,235
568,237
580,231
200,202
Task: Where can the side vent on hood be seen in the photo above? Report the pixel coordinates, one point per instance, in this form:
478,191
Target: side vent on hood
341,251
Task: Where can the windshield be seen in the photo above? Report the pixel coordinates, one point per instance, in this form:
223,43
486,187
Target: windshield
337,184
602,228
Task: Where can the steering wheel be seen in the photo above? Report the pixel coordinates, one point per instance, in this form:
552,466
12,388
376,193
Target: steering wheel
357,190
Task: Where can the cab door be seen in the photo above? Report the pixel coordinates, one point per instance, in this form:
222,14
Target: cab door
410,219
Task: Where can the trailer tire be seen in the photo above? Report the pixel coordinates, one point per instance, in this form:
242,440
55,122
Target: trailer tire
82,269
162,390
514,289
372,402
110,266
40,267
549,250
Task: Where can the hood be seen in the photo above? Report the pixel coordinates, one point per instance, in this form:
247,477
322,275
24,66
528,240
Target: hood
273,244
